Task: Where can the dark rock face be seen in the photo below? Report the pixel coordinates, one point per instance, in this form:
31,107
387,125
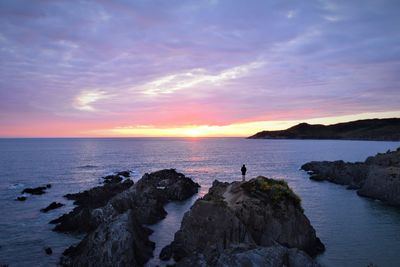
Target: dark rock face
148,197
120,242
116,235
112,179
21,198
338,172
79,219
52,206
261,212
35,191
373,129
251,256
377,177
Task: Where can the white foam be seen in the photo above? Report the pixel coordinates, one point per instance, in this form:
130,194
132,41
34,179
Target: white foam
16,186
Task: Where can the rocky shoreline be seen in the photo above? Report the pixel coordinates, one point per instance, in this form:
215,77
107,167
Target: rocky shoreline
378,177
255,223
114,217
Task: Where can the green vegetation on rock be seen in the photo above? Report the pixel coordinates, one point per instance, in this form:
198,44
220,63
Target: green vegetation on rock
275,190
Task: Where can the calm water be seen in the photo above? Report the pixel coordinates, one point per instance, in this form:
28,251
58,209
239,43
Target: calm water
355,230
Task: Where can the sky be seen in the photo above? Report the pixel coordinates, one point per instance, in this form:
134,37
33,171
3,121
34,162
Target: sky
194,68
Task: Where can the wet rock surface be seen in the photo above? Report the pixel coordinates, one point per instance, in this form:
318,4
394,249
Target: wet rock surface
36,190
115,221
52,206
378,177
259,213
21,198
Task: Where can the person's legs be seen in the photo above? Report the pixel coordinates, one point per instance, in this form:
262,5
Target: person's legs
243,177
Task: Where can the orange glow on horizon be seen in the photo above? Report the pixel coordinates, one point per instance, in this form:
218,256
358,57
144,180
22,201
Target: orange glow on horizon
244,129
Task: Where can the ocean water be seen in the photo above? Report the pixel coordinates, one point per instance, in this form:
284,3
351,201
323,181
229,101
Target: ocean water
356,231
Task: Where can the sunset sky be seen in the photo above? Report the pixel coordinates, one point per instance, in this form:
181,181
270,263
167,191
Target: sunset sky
194,68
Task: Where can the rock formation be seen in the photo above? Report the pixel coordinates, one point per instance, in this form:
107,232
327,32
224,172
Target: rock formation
251,256
36,190
115,222
259,213
52,206
377,177
79,219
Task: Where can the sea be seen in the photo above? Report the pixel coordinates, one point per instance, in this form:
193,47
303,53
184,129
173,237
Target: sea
356,231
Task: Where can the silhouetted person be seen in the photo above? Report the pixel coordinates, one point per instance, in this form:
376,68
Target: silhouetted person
243,169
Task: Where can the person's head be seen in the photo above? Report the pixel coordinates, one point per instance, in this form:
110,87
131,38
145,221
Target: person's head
244,165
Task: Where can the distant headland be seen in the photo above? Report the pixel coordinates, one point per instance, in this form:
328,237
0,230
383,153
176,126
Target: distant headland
370,129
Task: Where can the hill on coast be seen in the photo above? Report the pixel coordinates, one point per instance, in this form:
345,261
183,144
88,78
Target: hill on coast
370,129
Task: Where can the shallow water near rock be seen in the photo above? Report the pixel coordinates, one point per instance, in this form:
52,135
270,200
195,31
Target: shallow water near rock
355,230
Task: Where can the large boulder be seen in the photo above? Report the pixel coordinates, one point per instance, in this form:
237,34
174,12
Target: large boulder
260,212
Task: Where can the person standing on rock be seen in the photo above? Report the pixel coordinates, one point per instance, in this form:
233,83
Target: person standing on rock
243,169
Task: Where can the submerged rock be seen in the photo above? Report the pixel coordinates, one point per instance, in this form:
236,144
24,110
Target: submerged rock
378,177
52,206
261,212
21,198
35,191
48,251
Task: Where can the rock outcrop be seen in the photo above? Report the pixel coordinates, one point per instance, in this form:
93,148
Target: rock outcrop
259,213
251,256
115,224
79,219
120,242
52,206
40,190
377,177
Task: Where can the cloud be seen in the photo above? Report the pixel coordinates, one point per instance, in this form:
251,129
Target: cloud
86,99
189,79
196,62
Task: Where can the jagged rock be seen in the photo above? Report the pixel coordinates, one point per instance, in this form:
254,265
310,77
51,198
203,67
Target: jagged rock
116,234
251,256
112,179
378,177
259,212
35,191
148,197
52,206
80,219
119,242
